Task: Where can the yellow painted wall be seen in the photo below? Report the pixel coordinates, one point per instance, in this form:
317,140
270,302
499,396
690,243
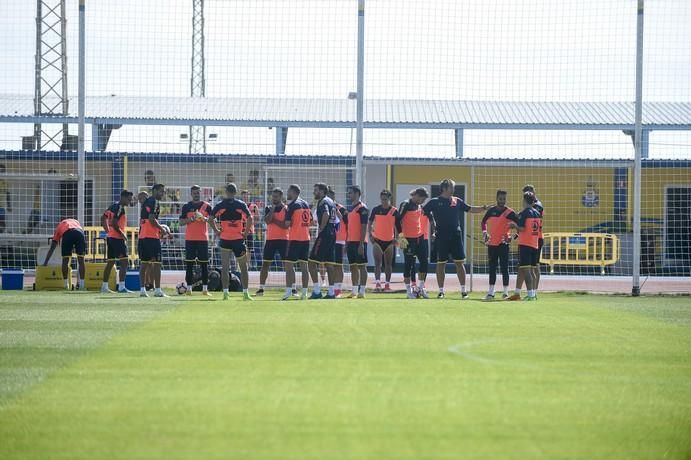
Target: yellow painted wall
560,189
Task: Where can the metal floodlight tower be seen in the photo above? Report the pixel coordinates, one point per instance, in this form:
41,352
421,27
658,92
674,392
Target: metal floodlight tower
198,79
50,86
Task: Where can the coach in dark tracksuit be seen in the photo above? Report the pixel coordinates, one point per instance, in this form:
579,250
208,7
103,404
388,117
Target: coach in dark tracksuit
446,214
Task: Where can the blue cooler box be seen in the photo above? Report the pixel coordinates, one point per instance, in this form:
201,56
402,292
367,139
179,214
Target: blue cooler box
132,280
12,279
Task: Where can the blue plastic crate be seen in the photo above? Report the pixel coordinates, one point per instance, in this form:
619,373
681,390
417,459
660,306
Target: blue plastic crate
12,279
132,280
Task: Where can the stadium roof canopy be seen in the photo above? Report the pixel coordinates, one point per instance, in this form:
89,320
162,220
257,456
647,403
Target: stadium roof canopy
105,113
331,113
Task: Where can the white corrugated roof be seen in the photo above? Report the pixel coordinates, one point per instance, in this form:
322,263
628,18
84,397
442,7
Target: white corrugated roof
378,113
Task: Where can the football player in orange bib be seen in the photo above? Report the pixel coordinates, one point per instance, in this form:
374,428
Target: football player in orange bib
382,231
114,222
70,234
528,226
356,247
276,236
298,221
496,234
195,217
231,219
150,241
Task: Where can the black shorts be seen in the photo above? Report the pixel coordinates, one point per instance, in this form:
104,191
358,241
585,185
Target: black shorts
273,247
383,245
298,251
116,249
338,254
450,247
150,250
528,256
196,250
237,246
540,243
324,248
417,247
354,258
73,241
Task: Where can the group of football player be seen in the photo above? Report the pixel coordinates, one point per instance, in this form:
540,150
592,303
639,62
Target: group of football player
418,226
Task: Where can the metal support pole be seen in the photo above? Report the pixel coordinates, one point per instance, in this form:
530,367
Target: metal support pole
458,137
281,139
471,242
81,166
360,95
636,286
198,75
37,75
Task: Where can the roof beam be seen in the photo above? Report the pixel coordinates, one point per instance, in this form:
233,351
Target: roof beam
338,124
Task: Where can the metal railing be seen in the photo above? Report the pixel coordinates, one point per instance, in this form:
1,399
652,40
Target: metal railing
586,249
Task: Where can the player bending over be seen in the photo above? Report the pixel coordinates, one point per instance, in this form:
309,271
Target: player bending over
412,242
195,217
341,235
114,222
382,231
528,225
150,234
235,221
356,222
71,233
298,220
496,234
446,213
323,251
276,236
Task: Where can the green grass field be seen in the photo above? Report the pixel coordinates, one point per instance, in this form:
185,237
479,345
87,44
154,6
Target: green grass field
83,376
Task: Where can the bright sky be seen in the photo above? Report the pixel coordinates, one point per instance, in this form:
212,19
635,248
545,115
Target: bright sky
537,50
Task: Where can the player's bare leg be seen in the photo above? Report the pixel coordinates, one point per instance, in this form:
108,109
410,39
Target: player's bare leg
243,264
66,272
305,279
331,273
363,280
441,277
530,283
536,277
354,279
388,266
225,272
338,277
520,276
322,273
122,274
81,270
314,270
155,271
263,275
460,273
378,256
106,276
290,280
144,270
